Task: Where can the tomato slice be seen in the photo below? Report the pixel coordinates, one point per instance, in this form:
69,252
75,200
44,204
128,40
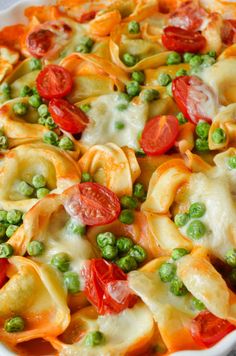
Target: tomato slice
39,42
106,287
207,329
194,98
228,32
68,116
92,203
159,134
87,16
180,40
3,270
54,82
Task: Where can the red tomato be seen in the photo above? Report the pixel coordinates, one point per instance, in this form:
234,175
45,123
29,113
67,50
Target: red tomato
106,287
92,203
54,82
159,134
188,16
180,40
3,269
39,42
68,116
228,32
207,329
194,98
87,16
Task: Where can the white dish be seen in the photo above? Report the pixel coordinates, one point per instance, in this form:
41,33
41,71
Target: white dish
15,14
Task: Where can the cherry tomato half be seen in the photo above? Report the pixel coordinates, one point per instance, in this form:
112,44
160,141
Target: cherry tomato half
159,134
92,203
207,329
180,40
3,269
39,42
106,287
54,82
228,32
68,116
194,98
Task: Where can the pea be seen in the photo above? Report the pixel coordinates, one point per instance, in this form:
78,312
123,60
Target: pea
39,181
196,230
25,91
212,54
85,107
86,177
178,288
181,219
230,257
66,144
42,192
164,79
94,338
138,76
14,325
181,72
182,120
178,252
35,64
6,250
49,123
133,88
125,97
232,276
61,261
119,125
11,229
218,136
130,60
43,110
232,162
3,143
42,120
173,58
25,189
197,210
139,191
87,41
201,145
167,272
76,228
6,90
202,130
127,263
140,153
82,48
20,109
128,202
169,89
14,217
35,248
35,101
207,61
2,230
150,95
51,138
109,252
3,215
195,61
126,216
133,27
138,253
35,91
197,304
72,282
124,244
187,56
105,239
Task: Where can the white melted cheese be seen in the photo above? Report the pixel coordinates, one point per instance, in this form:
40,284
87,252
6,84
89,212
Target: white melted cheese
103,117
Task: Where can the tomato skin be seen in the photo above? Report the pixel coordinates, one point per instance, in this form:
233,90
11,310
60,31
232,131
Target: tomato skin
159,134
54,82
92,203
228,32
3,269
180,40
98,275
39,42
207,329
68,116
87,16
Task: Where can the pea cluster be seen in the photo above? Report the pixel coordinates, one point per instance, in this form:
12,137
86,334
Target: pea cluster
37,188
121,251
45,118
202,131
34,100
9,223
85,45
196,229
65,143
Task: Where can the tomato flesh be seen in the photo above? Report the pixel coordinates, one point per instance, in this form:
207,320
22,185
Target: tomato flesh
92,203
87,16
228,32
3,269
207,329
159,134
54,82
68,116
180,40
39,42
106,287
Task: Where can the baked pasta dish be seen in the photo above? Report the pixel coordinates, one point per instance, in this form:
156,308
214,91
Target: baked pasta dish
118,178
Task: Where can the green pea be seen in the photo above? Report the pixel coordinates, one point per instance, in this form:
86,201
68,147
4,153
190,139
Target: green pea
82,48
4,143
72,282
197,210
232,162
25,189
178,288
197,304
207,61
181,72
66,144
178,252
14,217
76,228
125,97
50,123
42,120
43,110
6,90
11,229
2,230
187,56
35,64
35,248
133,27
6,250
139,191
174,58
230,257
127,263
140,153
218,136
42,192
232,276
212,54
181,219
138,76
25,91
39,181
196,61
150,95
86,177
196,230
3,215
109,252
138,253
167,272
106,238
51,138
169,89
201,145
122,107
124,244
35,91
94,338
202,129
126,216
61,261
85,107
14,325
182,120
87,41
20,109
119,125
130,60
133,88
35,101
164,79
128,202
